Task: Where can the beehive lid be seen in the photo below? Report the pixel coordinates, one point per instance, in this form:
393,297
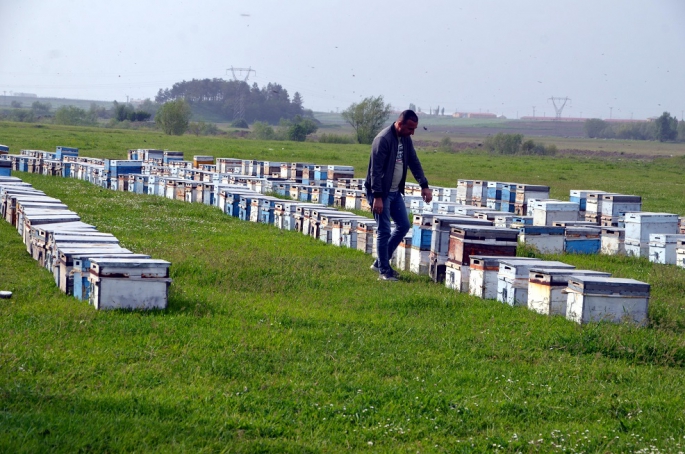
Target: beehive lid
560,276
517,269
489,261
483,232
608,286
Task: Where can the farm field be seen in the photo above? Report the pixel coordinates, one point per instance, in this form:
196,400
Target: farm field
275,342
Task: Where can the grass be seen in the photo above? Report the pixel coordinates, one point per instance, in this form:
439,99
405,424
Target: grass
274,341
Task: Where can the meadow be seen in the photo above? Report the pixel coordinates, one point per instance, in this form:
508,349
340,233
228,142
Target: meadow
275,342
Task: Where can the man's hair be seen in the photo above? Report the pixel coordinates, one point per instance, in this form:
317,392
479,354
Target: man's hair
408,115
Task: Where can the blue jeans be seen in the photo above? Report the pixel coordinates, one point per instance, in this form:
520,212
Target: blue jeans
393,207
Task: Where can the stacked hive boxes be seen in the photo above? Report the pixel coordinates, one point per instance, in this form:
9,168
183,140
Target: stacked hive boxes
60,242
640,225
240,188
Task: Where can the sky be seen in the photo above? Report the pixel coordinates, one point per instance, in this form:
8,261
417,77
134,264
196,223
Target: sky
612,58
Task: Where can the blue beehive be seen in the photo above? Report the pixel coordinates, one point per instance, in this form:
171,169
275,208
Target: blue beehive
421,237
582,240
62,152
327,196
5,168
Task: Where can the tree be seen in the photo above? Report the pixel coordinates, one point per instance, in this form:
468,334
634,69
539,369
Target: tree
263,131
41,109
666,127
173,117
367,118
412,106
594,127
97,111
504,143
298,128
149,107
239,123
681,131
16,104
71,115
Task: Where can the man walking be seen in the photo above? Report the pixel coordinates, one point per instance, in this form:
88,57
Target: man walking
391,153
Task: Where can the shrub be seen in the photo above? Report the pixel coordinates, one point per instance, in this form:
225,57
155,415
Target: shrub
239,123
74,116
203,129
446,144
504,143
335,138
173,117
22,115
262,131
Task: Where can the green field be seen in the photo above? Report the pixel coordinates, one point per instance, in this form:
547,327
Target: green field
275,342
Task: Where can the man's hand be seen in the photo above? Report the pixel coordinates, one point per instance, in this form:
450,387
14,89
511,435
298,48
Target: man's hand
377,205
426,194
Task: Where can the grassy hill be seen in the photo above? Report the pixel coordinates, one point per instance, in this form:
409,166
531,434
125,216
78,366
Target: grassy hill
275,342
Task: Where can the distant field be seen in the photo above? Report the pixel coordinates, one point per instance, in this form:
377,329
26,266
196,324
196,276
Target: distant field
569,137
6,101
658,181
275,342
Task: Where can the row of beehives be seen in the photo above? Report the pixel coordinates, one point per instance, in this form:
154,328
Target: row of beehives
552,288
433,239
591,222
85,263
165,173
469,255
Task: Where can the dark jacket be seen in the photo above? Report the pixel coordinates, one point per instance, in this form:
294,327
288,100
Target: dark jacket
382,163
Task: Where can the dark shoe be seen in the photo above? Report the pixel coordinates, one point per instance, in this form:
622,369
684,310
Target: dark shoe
374,267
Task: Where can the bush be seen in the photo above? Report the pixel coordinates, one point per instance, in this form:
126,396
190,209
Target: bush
41,109
530,147
21,115
298,128
445,144
173,117
74,116
263,131
335,138
239,123
127,112
203,129
504,143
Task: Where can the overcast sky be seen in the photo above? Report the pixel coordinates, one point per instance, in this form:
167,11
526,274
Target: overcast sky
498,56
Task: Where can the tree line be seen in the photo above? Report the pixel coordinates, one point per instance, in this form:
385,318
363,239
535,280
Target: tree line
664,129
220,98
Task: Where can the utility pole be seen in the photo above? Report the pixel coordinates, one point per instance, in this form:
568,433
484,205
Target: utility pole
562,102
611,112
239,107
533,112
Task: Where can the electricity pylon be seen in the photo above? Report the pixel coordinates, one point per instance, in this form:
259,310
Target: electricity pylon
239,106
559,109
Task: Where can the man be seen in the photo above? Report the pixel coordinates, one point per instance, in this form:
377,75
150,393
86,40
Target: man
391,153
